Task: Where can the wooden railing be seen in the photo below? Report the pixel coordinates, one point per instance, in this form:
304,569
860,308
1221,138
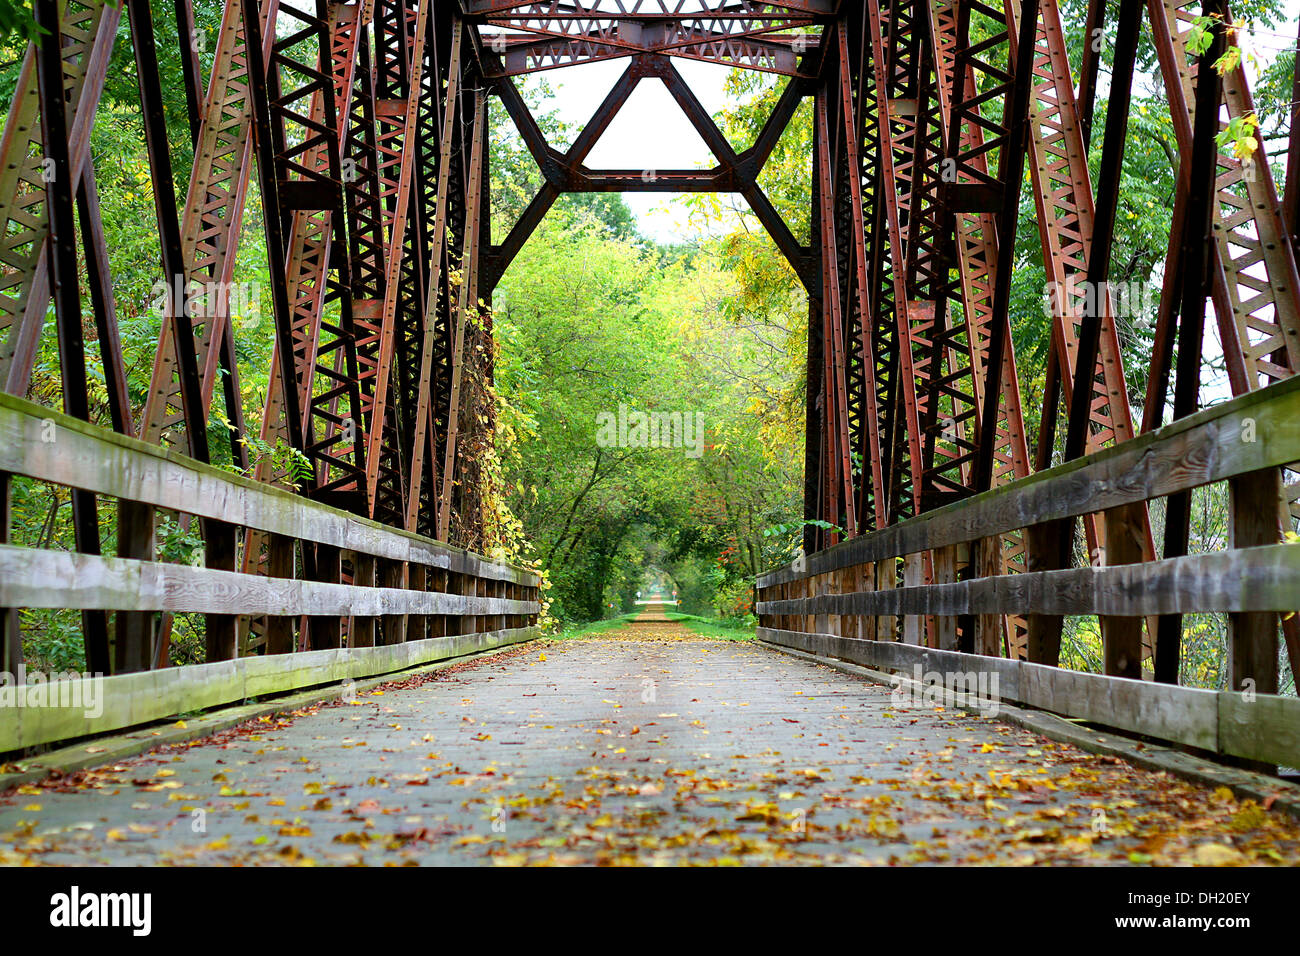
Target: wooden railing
433,601
925,592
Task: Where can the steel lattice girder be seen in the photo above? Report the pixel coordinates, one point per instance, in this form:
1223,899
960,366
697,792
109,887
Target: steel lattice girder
1063,196
672,10
768,55
1253,274
1256,291
210,224
88,31
311,112
400,46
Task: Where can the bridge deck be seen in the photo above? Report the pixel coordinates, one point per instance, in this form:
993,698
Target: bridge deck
740,754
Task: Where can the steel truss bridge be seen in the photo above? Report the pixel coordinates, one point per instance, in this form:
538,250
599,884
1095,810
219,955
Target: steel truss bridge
941,531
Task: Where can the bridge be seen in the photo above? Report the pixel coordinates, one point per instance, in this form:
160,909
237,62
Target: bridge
372,689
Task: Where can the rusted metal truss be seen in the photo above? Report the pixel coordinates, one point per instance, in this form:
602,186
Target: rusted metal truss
367,125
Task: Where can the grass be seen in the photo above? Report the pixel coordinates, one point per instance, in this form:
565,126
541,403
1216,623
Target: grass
712,627
572,631
704,626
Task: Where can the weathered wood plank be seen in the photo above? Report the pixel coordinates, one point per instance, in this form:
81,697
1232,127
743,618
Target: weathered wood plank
86,456
1261,726
1255,431
28,576
1251,579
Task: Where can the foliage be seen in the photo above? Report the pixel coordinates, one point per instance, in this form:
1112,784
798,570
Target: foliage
590,323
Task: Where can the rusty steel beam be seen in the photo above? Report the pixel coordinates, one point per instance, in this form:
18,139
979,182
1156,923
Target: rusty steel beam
399,69
1094,38
467,308
839,464
860,169
752,49
210,226
1064,203
639,35
1196,246
191,70
895,82
313,104
88,30
273,221
1255,282
67,296
647,9
420,446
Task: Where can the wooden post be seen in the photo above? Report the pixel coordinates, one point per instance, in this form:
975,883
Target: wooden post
134,630
415,623
279,629
499,621
913,577
392,575
1044,641
945,572
866,581
437,582
455,624
808,586
362,632
11,639
219,629
1122,636
886,572
327,632
826,585
1254,504
990,629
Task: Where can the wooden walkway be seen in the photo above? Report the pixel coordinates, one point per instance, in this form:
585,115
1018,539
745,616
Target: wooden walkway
648,745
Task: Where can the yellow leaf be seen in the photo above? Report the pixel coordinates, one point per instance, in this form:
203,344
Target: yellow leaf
1217,854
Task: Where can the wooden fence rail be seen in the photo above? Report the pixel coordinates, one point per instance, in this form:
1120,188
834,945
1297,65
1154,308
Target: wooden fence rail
326,620
933,591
